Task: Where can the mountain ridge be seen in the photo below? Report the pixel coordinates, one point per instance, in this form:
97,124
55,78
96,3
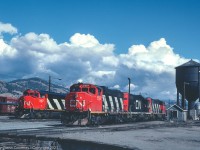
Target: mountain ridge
15,88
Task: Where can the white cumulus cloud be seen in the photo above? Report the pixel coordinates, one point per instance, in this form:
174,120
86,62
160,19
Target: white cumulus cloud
6,50
7,28
83,40
83,58
158,57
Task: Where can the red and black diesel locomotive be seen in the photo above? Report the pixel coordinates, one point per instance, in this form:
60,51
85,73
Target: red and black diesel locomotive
92,104
40,104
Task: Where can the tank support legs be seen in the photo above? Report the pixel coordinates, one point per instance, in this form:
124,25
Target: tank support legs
189,107
199,82
177,98
183,102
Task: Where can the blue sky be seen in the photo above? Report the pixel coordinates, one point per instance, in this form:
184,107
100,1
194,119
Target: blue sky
122,22
100,41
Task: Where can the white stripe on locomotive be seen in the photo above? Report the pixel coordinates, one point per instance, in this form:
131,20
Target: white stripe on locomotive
49,104
117,104
111,103
63,101
157,109
121,102
153,108
138,104
105,104
57,104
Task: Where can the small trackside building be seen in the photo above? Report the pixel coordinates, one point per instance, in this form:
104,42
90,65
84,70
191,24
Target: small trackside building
176,113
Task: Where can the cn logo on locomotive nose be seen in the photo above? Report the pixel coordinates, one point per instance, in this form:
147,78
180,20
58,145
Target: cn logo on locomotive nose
41,100
28,103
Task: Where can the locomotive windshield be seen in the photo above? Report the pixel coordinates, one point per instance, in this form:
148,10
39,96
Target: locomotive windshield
84,88
75,88
99,90
92,90
31,93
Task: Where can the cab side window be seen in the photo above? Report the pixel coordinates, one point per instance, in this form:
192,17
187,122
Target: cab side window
99,91
85,90
36,94
92,90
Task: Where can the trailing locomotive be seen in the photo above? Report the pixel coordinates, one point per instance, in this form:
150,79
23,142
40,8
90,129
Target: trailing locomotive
92,104
43,104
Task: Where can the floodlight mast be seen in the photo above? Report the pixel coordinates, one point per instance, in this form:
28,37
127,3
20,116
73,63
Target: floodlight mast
50,82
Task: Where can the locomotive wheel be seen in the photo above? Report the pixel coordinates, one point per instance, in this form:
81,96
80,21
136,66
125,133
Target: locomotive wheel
19,114
38,115
32,115
46,115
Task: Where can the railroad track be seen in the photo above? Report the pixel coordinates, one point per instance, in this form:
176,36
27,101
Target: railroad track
56,130
53,128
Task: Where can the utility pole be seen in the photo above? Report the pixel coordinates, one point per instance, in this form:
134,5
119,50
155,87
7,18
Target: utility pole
50,82
129,91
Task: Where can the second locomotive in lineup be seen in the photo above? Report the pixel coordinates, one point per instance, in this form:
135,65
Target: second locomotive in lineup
92,104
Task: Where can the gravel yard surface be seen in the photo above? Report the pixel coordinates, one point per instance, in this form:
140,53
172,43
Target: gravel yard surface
153,135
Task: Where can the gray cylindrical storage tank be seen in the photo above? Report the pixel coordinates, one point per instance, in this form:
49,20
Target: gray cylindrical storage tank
187,82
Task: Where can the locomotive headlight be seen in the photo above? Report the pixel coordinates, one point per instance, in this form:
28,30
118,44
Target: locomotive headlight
72,103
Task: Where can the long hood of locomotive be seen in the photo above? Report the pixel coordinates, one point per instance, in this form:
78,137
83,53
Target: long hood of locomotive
50,103
112,103
55,103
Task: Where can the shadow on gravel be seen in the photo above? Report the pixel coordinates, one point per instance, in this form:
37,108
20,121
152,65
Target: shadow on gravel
50,144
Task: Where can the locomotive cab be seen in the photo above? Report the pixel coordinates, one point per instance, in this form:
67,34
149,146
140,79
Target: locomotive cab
84,97
31,99
32,93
